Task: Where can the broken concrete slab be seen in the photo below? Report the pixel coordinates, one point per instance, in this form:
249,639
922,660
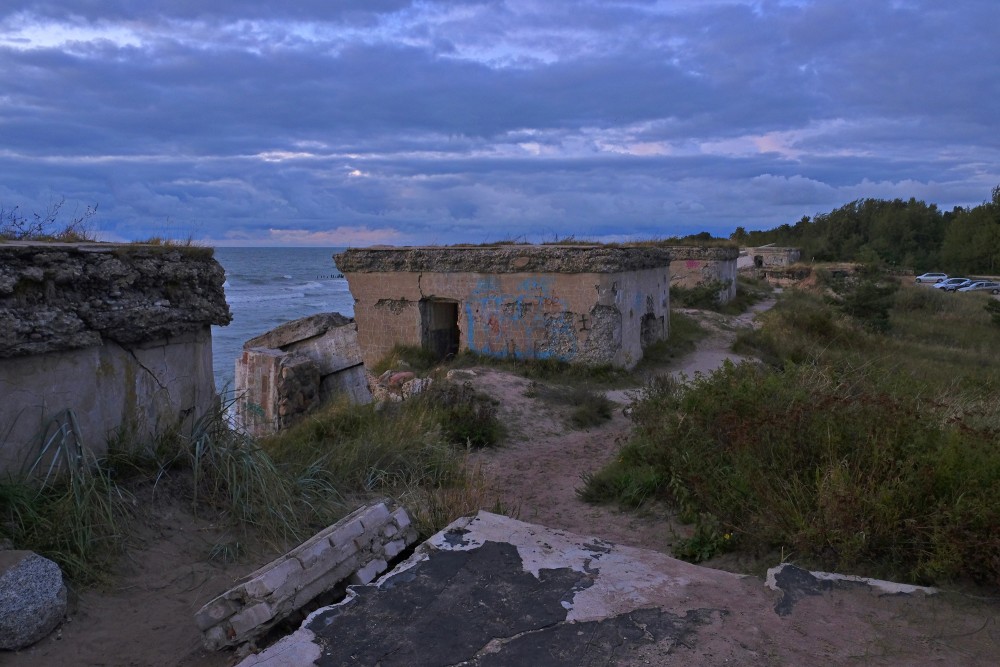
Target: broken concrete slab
32,598
289,371
356,548
490,590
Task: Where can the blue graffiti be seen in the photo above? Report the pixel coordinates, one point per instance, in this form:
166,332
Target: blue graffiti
496,320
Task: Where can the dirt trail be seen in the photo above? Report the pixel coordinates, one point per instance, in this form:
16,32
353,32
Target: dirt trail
543,461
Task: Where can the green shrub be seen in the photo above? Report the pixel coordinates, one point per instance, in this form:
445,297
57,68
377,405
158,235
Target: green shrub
468,417
839,466
590,408
704,295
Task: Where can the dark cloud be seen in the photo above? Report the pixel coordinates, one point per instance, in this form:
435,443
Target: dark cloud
456,120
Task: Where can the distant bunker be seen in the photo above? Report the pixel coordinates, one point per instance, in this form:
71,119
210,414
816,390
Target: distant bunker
591,305
99,341
696,266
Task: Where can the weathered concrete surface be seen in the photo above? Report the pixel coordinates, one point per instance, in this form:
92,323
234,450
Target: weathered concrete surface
692,266
32,598
56,297
495,591
356,548
583,304
287,372
502,259
120,335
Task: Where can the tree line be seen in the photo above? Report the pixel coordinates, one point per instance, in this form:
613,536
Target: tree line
905,234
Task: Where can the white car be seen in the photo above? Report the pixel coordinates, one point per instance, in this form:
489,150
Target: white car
982,285
931,278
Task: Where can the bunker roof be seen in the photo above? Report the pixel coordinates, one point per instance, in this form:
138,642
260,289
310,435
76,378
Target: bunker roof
503,259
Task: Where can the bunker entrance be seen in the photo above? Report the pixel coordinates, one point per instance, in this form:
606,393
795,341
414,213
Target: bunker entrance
651,330
439,327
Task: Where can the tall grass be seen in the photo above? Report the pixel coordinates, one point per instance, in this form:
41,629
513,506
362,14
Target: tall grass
76,508
67,505
851,448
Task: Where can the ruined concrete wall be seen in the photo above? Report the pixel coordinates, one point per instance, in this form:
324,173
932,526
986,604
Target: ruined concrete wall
586,316
766,257
119,335
692,266
289,371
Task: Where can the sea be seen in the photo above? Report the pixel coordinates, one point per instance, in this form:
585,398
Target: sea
266,287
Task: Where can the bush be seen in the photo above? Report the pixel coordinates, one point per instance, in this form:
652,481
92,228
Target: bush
839,466
468,418
704,295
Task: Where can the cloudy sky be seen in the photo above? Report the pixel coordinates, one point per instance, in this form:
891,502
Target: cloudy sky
354,122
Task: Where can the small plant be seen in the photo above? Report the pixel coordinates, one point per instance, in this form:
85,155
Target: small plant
589,408
468,417
708,541
17,226
434,507
704,295
410,357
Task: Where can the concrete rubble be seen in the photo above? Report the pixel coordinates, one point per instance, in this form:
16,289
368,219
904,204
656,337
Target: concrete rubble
355,550
32,598
291,370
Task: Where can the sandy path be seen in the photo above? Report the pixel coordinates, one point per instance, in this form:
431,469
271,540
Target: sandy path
543,461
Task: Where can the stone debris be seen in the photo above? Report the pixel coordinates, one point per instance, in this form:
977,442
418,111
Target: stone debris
356,549
32,598
396,385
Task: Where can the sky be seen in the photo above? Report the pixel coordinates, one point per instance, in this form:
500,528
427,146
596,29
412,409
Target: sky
361,122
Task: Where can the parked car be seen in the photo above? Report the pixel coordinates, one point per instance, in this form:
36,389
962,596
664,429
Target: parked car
931,277
982,285
952,284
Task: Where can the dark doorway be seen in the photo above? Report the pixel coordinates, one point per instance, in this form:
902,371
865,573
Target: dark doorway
439,327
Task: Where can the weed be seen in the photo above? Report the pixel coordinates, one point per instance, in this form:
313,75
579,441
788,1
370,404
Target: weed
434,507
467,417
410,357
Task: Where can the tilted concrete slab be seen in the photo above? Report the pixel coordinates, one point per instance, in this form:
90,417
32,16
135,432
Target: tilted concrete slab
490,590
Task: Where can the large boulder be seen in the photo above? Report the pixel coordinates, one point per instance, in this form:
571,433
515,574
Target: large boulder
32,598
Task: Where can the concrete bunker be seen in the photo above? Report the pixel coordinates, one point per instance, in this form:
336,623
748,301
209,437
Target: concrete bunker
582,304
99,340
694,266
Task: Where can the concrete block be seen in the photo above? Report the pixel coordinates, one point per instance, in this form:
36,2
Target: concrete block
215,612
394,548
368,573
320,550
375,517
271,580
248,619
401,518
346,532
215,638
322,584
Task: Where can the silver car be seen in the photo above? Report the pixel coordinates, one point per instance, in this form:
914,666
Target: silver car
931,278
982,285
